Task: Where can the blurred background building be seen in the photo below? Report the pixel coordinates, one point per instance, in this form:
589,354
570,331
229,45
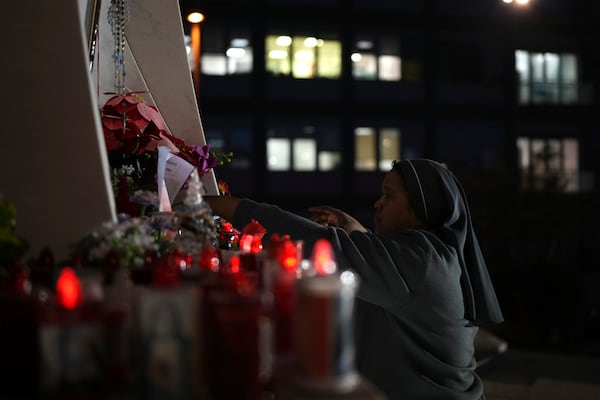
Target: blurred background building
315,98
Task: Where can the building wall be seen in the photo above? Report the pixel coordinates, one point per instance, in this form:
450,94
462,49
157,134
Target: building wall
457,103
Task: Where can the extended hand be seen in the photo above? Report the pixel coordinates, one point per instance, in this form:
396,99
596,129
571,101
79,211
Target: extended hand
330,216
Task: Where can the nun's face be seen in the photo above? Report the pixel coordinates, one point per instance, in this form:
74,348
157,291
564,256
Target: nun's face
393,211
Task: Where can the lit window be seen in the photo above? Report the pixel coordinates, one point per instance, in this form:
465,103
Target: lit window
376,148
547,77
364,149
376,58
522,66
224,52
570,80
329,160
213,64
239,59
389,147
299,147
389,68
305,154
364,66
277,54
303,57
550,165
278,154
329,61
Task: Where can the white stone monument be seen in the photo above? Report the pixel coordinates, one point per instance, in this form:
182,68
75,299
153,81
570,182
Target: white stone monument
53,163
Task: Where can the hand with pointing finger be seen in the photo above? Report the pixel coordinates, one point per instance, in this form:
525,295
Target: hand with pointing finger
330,216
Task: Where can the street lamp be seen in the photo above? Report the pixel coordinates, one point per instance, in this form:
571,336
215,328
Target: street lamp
195,18
519,2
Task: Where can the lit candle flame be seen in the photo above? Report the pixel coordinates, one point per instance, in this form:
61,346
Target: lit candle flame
68,289
288,256
234,264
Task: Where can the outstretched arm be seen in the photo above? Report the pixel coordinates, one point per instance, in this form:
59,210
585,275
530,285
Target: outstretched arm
223,206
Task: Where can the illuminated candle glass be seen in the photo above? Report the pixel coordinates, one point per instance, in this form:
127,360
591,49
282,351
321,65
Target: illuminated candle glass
68,289
323,258
234,264
209,259
237,345
323,331
288,256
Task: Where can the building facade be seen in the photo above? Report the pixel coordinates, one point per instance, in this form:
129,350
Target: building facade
315,98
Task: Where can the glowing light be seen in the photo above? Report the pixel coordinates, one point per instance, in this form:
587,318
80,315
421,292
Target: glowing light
188,261
311,42
239,42
304,55
179,260
278,54
364,44
235,52
322,258
289,256
209,259
195,17
251,243
234,264
356,57
257,245
362,131
348,278
283,41
68,289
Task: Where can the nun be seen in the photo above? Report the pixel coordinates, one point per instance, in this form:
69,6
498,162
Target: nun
424,286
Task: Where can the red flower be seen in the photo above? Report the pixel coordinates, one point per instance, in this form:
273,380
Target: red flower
131,124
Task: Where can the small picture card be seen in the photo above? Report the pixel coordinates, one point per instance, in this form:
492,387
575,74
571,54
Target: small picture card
72,354
168,346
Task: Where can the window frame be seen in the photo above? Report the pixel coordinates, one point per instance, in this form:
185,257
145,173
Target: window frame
290,70
379,136
532,91
379,51
292,132
549,178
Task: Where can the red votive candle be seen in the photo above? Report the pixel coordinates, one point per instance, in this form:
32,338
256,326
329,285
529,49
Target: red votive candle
238,355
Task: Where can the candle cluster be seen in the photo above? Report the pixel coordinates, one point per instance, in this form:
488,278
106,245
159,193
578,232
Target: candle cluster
228,322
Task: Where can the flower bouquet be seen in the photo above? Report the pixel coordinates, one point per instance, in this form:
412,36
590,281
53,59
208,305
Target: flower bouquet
133,131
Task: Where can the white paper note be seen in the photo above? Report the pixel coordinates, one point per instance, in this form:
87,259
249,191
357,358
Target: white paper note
172,173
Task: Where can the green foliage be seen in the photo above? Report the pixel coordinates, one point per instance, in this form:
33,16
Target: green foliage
12,247
222,157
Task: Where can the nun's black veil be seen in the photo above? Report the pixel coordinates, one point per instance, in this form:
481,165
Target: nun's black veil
439,200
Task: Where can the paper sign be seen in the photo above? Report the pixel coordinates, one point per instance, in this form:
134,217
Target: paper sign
172,173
